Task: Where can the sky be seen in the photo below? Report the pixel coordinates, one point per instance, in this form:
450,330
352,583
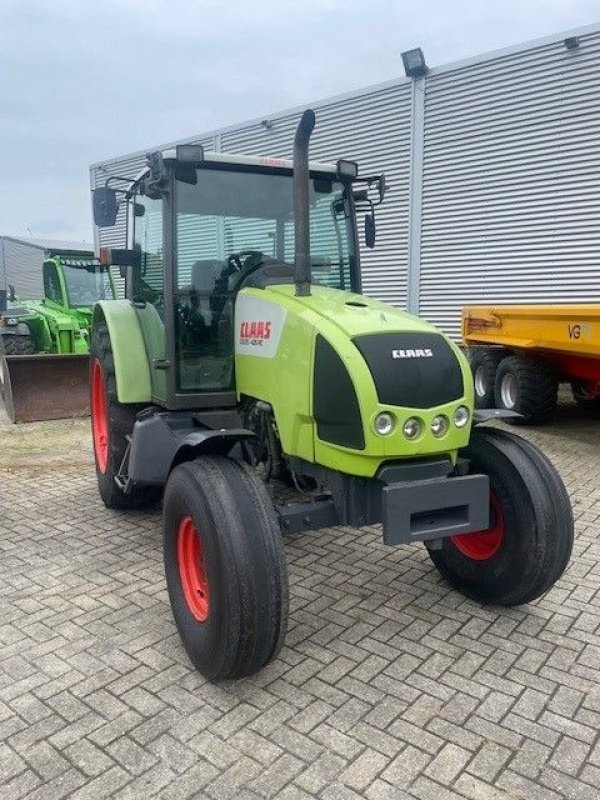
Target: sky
84,80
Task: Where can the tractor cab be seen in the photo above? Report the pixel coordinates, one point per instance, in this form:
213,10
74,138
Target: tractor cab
203,226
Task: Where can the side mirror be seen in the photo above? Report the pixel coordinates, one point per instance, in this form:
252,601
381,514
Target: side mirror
105,207
370,230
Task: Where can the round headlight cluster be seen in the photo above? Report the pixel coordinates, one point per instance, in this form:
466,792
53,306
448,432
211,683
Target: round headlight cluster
384,423
462,415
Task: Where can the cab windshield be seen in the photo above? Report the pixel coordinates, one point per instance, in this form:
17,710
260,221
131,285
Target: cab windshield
232,223
86,284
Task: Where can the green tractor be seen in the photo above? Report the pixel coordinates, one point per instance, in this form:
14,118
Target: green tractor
246,358
44,344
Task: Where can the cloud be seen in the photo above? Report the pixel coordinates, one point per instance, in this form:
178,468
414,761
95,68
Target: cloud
82,81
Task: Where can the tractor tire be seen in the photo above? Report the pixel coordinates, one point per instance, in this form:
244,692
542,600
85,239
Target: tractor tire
24,346
13,345
225,567
583,399
527,386
528,544
484,363
112,423
7,345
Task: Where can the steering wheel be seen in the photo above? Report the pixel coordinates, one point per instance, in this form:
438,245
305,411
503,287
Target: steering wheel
237,262
244,263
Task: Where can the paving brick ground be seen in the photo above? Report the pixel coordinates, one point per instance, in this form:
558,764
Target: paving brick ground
390,686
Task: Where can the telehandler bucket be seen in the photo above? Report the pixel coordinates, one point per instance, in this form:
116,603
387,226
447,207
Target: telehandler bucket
39,387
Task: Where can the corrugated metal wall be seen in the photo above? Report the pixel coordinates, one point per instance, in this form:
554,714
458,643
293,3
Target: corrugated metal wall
511,181
21,267
503,152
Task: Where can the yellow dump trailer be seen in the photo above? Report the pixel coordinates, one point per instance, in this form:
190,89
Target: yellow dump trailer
520,354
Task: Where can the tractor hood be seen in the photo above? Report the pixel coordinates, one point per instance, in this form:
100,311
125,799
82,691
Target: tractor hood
411,362
353,314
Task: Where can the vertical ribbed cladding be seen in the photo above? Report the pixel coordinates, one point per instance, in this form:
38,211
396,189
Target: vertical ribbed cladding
413,370
336,410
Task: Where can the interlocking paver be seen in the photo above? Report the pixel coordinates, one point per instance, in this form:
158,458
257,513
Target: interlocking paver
390,686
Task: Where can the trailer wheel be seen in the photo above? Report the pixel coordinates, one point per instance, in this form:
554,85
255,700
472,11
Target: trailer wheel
583,398
527,386
484,363
225,567
111,422
530,538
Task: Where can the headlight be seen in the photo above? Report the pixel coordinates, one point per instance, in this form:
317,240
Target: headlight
440,425
461,416
412,428
384,423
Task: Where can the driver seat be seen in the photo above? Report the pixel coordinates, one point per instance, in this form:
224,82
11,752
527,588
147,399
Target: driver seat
204,276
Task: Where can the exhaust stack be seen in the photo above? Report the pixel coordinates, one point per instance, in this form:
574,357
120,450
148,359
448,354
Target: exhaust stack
302,274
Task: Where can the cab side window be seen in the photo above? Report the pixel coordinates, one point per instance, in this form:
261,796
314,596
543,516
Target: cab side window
52,287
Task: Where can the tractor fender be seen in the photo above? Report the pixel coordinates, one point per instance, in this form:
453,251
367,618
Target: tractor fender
157,447
132,371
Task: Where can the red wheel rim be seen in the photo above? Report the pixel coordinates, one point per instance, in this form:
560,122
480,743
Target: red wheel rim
481,545
99,404
192,570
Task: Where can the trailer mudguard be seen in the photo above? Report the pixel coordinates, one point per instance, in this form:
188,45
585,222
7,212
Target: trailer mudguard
132,370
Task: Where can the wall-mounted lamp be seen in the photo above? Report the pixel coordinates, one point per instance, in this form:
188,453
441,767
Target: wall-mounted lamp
414,63
571,42
267,124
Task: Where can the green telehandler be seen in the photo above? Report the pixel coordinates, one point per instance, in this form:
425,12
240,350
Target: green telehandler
44,344
246,358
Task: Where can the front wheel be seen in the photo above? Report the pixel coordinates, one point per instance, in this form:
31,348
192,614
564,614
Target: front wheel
225,567
528,544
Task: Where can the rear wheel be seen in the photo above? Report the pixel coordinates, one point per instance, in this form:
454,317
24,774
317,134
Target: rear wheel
112,422
225,567
527,386
528,543
484,364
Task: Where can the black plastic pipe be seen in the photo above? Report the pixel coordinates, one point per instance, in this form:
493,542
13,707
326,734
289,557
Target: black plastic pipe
302,274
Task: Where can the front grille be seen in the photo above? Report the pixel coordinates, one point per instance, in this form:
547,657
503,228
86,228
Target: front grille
414,370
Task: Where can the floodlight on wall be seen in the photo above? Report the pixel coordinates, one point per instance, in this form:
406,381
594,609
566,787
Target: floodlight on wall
572,42
267,124
414,63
